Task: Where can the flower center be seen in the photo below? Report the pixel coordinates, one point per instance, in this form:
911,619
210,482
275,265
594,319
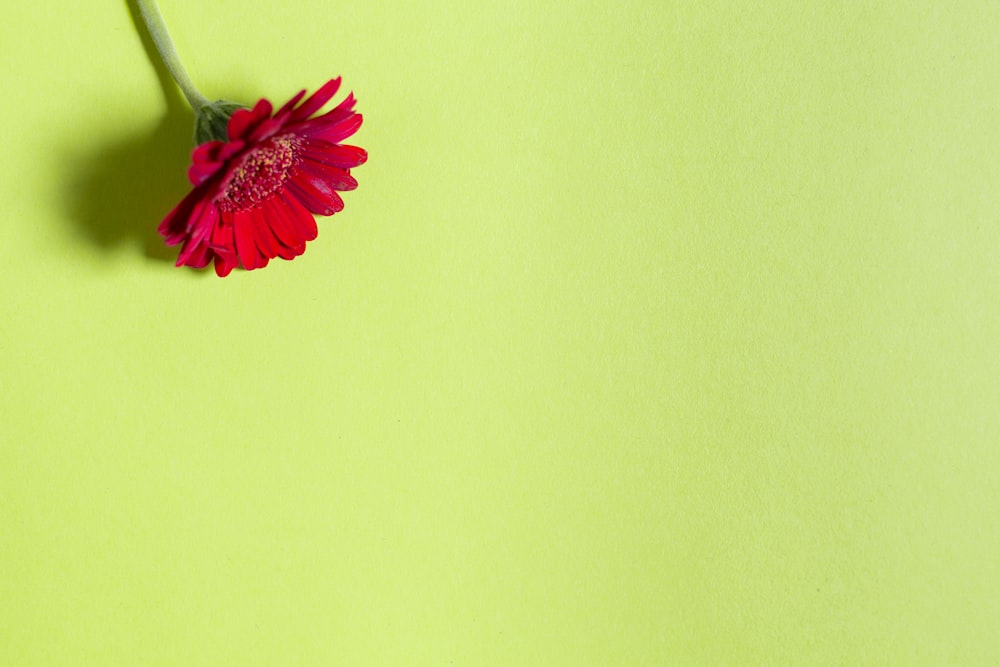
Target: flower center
259,174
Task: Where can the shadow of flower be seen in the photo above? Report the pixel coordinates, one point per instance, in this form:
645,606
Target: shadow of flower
120,193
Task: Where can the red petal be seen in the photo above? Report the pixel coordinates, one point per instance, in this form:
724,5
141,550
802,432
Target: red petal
272,126
265,239
335,155
199,172
290,104
174,227
224,266
207,152
316,100
284,114
331,129
246,248
203,223
286,253
279,219
333,177
239,122
196,255
209,157
345,107
265,130
223,241
231,149
243,120
300,217
314,191
342,110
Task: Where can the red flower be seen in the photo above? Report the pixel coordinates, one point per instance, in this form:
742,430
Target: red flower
256,192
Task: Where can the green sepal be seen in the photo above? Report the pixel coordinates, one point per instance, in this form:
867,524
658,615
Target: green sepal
212,120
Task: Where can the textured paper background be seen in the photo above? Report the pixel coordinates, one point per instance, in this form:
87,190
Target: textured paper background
657,334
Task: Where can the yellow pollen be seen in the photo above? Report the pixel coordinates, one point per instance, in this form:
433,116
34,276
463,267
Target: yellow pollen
258,174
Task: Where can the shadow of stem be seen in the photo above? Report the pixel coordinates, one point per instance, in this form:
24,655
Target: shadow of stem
121,192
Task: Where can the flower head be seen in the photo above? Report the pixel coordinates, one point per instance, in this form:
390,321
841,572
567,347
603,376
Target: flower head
257,187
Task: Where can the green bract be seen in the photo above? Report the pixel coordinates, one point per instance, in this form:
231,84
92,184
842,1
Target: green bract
212,120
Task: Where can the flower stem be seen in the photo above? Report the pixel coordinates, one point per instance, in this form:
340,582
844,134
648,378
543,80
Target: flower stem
165,47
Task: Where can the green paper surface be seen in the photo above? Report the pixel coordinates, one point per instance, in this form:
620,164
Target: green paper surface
657,333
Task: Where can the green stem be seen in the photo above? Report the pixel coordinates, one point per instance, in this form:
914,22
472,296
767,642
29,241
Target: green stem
165,47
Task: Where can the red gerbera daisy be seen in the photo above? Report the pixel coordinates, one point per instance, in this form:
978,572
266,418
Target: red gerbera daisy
259,184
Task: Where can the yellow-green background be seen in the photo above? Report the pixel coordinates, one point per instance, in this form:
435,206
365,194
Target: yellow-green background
658,333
